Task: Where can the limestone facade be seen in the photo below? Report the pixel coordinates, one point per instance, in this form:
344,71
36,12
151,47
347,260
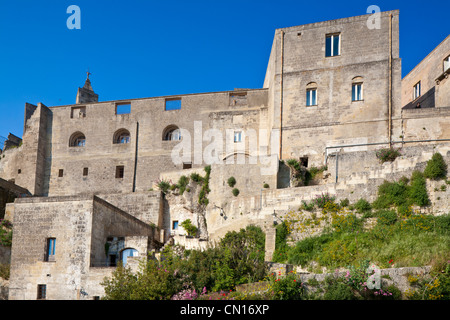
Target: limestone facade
92,168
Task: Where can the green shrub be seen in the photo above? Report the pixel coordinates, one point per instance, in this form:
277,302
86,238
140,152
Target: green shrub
196,177
418,189
189,227
323,199
344,203
231,181
345,223
5,233
314,171
442,224
286,288
202,199
336,290
386,217
163,186
436,167
387,154
391,193
362,205
266,185
281,248
182,183
306,206
307,249
235,192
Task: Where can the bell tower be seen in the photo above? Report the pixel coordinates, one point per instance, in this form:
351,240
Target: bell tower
86,94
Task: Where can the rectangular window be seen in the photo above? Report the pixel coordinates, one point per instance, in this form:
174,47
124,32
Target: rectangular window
120,171
446,63
50,250
85,171
123,108
41,291
238,98
187,165
112,260
332,45
238,136
357,92
173,104
304,161
77,112
311,97
60,173
416,91
175,225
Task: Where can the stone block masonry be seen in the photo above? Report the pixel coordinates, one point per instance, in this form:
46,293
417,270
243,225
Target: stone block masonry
79,227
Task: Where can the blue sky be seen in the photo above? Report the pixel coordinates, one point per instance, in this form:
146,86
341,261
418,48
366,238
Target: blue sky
145,48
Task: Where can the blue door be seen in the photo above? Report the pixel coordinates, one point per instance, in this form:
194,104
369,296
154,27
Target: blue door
128,253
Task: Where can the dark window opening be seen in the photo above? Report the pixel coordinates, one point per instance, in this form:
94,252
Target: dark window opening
172,133
85,171
41,291
60,173
304,161
187,165
112,260
120,171
121,136
78,139
19,171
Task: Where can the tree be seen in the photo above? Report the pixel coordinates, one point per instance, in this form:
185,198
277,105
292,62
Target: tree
189,227
155,280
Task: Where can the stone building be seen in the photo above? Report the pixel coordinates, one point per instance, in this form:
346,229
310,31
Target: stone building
332,94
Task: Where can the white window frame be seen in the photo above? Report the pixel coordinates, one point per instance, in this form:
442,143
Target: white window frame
416,90
309,102
332,36
446,63
238,136
355,97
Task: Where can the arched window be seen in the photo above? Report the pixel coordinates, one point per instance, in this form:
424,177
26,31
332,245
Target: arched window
357,89
121,136
311,94
77,140
171,133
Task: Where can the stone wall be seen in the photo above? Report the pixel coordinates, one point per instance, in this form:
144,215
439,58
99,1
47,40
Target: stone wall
298,59
80,225
146,155
145,206
391,276
430,68
68,220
